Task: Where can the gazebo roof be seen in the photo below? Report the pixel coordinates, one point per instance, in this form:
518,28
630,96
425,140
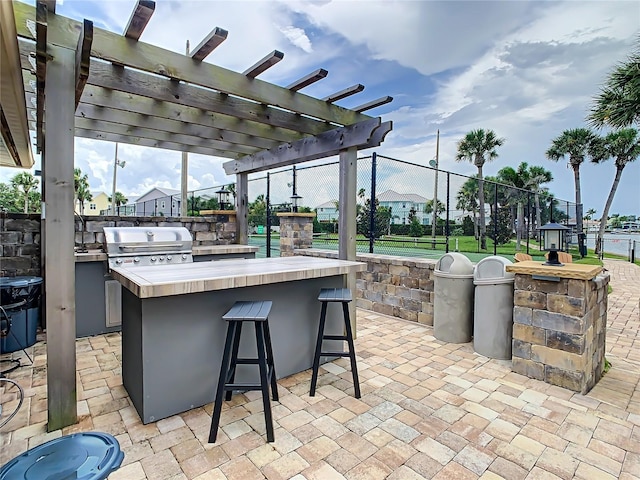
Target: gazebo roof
133,92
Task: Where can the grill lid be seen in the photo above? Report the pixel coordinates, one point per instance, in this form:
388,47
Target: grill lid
127,241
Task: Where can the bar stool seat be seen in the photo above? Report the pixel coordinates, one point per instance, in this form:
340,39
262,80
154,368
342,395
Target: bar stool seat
343,296
258,313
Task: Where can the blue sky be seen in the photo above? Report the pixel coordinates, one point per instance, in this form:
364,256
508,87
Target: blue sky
527,70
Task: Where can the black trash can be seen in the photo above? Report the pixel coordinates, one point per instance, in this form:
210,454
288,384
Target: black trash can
20,314
582,244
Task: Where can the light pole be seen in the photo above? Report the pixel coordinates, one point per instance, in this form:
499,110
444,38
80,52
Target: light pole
434,164
116,163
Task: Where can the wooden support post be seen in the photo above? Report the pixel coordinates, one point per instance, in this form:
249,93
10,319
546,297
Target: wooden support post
184,172
59,281
347,219
242,207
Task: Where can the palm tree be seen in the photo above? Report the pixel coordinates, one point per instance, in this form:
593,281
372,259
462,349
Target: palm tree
26,182
120,199
618,103
537,176
479,146
467,199
575,143
517,179
81,189
624,146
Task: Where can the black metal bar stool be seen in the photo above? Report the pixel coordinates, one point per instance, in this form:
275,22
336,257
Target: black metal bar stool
256,312
342,295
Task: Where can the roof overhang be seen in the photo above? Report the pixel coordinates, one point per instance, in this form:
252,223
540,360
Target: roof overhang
15,144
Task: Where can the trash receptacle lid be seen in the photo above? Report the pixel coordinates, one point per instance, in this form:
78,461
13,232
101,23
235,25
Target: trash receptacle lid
83,456
454,264
493,270
15,282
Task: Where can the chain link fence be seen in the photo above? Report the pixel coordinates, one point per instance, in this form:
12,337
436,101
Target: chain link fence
403,208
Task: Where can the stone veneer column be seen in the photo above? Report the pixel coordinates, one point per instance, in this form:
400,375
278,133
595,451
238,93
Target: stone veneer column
296,231
560,320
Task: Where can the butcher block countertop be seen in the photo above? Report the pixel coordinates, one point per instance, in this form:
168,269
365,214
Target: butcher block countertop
166,280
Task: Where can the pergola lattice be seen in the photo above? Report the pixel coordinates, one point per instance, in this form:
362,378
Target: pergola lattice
88,82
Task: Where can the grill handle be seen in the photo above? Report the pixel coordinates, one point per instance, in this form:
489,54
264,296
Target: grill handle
146,247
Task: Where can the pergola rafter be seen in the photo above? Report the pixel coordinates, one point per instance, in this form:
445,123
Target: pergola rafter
97,84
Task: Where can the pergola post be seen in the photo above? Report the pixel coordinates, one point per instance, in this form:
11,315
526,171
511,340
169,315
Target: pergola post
242,207
57,212
347,218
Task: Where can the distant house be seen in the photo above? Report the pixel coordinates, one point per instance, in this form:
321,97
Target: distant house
159,201
99,201
327,212
402,204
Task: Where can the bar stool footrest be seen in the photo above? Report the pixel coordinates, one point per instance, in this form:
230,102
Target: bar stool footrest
335,337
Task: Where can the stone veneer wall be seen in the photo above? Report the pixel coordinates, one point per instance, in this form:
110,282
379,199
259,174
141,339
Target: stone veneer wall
559,330
19,244
296,232
398,286
218,229
20,235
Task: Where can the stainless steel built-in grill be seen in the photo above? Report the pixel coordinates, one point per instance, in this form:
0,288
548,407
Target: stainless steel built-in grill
144,246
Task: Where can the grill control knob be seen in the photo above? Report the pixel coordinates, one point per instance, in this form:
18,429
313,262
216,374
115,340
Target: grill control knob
184,256
153,259
169,257
162,258
118,261
136,260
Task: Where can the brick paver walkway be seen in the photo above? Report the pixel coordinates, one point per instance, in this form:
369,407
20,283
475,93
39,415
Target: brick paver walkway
623,311
428,410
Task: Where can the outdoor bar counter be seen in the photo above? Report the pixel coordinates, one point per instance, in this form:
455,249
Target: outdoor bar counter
97,294
173,333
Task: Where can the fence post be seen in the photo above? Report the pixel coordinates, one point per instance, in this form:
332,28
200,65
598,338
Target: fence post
268,226
495,218
374,208
446,227
528,220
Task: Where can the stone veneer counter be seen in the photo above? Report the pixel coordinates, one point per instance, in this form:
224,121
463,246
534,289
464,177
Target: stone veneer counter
167,280
576,271
560,323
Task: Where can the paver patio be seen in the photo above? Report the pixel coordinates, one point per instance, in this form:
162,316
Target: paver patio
428,410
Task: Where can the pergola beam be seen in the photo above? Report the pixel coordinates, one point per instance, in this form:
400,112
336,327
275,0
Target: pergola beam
352,90
307,80
267,62
209,44
144,142
211,134
114,48
223,149
139,19
126,80
374,103
83,53
361,135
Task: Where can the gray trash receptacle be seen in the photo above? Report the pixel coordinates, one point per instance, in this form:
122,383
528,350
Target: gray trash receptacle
493,308
453,299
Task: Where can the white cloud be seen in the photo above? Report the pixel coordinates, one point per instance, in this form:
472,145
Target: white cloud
298,38
524,69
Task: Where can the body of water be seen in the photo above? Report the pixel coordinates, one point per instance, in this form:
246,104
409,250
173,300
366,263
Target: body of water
618,243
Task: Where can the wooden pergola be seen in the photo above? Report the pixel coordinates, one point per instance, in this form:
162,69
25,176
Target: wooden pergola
83,81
